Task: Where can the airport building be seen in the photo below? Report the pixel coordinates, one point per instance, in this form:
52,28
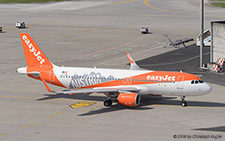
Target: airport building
217,49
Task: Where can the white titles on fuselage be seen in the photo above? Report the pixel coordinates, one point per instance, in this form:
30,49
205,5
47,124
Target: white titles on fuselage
93,78
161,78
82,82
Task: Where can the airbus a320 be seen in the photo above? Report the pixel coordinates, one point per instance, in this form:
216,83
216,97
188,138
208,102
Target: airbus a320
126,86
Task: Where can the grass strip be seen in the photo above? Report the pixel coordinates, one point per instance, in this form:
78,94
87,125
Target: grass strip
219,4
29,1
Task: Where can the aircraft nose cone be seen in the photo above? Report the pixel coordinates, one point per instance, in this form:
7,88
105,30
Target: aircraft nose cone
207,88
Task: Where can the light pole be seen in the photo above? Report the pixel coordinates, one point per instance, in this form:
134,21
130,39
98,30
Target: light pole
201,32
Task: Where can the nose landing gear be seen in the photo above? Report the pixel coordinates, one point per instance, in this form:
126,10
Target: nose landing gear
184,103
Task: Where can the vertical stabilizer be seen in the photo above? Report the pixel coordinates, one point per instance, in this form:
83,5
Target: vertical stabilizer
34,55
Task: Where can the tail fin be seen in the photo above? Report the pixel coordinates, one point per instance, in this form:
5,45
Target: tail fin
34,55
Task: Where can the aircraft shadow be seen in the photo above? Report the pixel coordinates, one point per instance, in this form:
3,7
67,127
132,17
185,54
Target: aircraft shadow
151,100
73,97
215,129
147,33
116,107
146,101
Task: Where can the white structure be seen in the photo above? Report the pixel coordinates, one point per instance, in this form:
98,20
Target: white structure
217,49
20,25
144,30
206,38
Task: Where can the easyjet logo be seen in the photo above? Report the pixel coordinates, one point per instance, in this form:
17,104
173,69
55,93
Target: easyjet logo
33,50
161,78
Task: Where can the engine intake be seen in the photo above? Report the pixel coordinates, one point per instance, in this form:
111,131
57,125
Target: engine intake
129,99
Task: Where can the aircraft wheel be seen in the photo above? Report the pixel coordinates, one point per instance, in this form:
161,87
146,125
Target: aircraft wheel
184,104
108,103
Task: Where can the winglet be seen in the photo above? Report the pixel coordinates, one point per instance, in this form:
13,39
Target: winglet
133,65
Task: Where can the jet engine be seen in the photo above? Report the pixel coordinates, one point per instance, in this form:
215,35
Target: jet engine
129,99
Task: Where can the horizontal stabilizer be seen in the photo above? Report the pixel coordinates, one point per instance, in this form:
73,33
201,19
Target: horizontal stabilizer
24,71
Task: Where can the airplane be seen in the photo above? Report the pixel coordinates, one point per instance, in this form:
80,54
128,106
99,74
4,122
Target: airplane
125,86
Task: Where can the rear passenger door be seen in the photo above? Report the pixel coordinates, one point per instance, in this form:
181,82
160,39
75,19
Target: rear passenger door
180,82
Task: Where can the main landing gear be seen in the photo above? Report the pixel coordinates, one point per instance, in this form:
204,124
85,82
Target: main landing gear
184,103
108,102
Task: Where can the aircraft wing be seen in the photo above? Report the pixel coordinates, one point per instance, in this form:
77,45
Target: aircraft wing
100,90
133,65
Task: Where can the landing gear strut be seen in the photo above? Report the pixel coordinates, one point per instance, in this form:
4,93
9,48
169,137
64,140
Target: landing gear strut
108,103
184,103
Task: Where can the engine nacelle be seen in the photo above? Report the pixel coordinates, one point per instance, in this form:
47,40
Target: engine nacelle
129,99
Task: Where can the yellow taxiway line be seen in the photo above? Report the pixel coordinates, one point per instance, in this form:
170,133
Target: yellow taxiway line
187,14
36,98
27,125
22,97
121,2
3,134
41,23
146,3
54,115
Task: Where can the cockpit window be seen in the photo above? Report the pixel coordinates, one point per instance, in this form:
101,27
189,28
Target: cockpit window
196,81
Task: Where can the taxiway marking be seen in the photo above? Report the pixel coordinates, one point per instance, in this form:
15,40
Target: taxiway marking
70,34
106,49
3,134
27,125
36,98
146,3
118,58
18,97
82,104
93,107
41,23
97,52
163,10
121,2
54,115
86,30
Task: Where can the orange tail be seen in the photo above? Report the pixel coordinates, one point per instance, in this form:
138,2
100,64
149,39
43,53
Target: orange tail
38,65
34,55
